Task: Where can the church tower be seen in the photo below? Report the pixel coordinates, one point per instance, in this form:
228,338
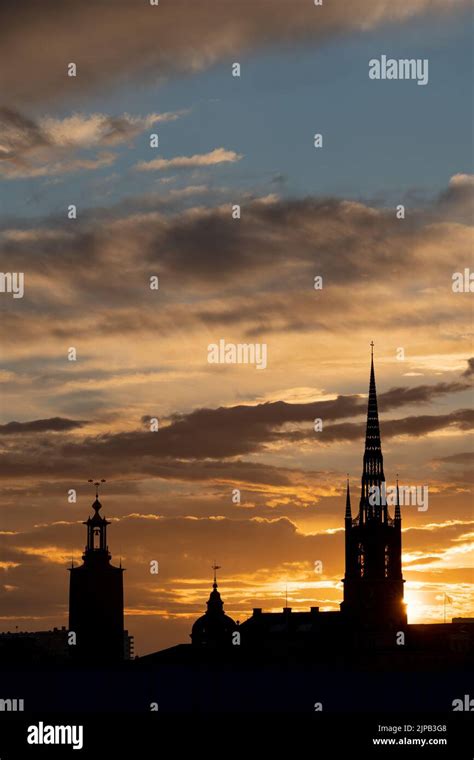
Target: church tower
214,629
96,597
373,583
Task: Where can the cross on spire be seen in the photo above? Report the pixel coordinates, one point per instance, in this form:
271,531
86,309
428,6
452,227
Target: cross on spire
215,568
97,484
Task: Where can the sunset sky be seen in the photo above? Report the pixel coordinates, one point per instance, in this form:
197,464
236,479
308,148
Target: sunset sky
141,353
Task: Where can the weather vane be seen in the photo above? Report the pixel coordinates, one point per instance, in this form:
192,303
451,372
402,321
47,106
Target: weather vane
97,484
215,568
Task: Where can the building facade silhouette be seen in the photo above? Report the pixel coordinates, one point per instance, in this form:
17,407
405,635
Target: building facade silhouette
373,583
96,598
370,630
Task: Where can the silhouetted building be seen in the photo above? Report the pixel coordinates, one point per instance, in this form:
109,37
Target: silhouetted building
40,647
128,646
373,583
369,632
214,628
96,598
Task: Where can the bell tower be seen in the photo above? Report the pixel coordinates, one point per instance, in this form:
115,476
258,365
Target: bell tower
96,596
373,583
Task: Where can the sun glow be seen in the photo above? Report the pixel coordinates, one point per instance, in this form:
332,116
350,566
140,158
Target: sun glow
416,605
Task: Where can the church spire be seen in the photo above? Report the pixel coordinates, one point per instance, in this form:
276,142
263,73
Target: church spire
373,582
372,435
348,514
398,514
215,605
215,568
372,474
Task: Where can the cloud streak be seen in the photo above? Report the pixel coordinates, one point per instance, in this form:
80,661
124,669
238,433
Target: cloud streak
214,157
49,146
55,424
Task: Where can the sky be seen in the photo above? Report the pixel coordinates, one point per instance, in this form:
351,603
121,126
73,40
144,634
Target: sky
91,354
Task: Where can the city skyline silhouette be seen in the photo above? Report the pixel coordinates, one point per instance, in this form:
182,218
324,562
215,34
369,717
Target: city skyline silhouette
372,588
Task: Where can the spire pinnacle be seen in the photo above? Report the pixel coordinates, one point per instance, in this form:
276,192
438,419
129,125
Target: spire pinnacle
348,514
97,484
372,474
215,605
215,568
372,436
398,514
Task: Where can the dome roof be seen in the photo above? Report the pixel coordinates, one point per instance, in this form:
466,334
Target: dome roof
214,627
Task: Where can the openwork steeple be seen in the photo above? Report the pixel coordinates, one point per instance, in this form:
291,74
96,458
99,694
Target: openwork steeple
373,501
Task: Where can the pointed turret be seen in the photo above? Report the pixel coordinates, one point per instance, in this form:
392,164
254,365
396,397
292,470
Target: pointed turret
348,514
373,583
372,502
398,514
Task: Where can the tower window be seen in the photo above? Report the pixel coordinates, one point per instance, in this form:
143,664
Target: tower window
97,538
361,560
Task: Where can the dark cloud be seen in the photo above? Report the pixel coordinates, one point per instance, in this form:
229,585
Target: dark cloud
463,457
470,368
356,247
19,135
461,419
420,394
40,426
217,434
125,40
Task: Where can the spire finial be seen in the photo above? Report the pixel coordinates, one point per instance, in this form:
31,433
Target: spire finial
97,484
215,568
372,344
96,505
